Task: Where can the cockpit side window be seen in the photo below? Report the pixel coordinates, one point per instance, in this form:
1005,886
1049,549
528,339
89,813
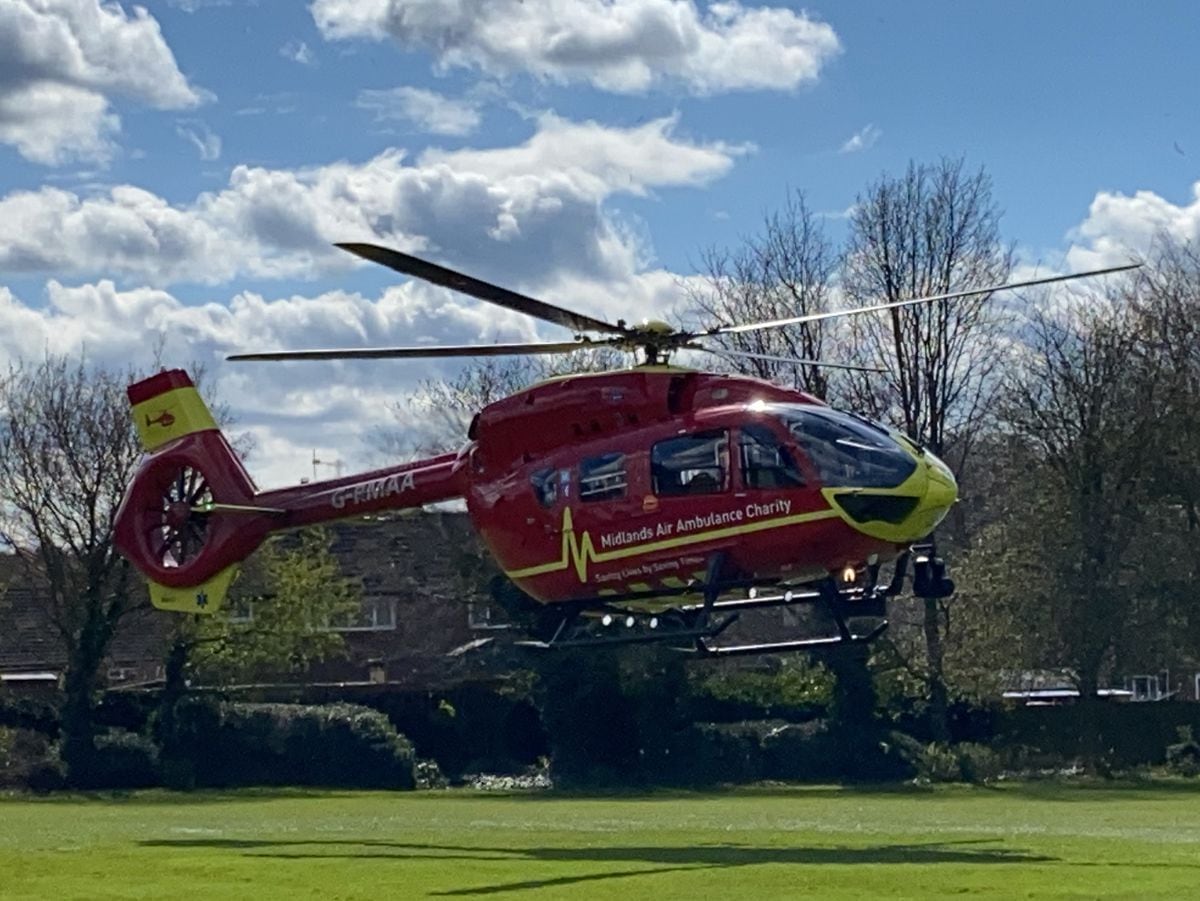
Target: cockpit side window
847,451
602,478
765,461
691,464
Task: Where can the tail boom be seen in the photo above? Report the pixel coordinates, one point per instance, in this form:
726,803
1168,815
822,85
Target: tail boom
192,513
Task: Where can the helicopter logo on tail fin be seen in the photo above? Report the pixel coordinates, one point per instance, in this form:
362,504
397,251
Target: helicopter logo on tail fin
164,419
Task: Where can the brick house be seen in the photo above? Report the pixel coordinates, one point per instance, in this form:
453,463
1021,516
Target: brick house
424,578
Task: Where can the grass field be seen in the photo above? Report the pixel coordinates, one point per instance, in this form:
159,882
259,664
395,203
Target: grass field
1016,841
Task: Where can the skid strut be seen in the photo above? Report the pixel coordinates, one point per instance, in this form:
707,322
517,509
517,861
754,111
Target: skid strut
695,628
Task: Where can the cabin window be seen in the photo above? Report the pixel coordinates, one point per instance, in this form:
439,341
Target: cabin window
765,461
691,464
545,486
602,478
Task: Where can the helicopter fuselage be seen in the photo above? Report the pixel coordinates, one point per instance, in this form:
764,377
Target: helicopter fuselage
627,483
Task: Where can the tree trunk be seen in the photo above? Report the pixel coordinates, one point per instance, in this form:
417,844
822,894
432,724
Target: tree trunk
939,727
853,721
83,667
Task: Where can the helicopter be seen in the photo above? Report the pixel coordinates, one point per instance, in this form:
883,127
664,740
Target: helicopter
652,504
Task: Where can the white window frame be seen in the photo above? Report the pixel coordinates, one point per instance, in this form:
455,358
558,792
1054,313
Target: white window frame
236,618
480,617
373,604
1153,690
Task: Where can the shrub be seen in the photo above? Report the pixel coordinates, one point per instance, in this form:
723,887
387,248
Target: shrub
123,759
937,762
33,714
429,775
791,687
1184,756
28,759
288,744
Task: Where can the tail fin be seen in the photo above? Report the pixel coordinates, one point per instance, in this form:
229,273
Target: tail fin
169,524
168,406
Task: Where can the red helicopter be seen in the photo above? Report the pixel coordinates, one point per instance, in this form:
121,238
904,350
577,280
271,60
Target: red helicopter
651,504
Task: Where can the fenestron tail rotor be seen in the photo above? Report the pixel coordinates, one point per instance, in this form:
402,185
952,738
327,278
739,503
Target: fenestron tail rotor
654,340
178,532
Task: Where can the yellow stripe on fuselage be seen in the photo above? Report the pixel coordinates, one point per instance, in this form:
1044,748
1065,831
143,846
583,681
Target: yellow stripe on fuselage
579,552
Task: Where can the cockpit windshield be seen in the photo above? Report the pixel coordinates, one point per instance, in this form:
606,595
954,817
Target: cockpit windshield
847,451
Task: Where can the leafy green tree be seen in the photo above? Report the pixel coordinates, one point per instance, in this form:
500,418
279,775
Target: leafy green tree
281,610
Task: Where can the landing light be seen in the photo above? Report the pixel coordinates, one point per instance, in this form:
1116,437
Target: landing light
606,620
629,621
849,575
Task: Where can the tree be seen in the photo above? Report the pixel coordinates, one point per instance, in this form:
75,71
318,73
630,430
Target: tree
1078,567
67,451
282,607
931,231
786,270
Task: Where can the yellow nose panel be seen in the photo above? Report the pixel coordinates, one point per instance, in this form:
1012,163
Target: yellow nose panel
931,484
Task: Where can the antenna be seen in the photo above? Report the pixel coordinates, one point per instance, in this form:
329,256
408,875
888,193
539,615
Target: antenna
337,465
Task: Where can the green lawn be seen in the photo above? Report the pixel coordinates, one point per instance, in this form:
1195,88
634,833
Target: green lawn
1017,841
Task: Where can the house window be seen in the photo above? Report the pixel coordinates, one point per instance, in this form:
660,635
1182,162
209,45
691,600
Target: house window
691,464
765,462
545,486
240,611
1145,688
484,616
376,614
602,478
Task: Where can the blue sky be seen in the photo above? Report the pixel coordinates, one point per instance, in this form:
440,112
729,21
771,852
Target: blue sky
173,178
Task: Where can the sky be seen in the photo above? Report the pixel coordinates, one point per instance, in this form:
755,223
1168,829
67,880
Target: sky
173,175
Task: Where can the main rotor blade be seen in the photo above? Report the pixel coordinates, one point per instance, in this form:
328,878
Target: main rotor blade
795,361
466,284
458,350
875,308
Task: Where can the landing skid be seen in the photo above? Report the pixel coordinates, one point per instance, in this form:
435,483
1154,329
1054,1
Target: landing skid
696,628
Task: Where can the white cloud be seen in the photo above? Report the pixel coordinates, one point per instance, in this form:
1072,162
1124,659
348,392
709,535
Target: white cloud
290,408
432,112
625,46
861,139
54,124
521,213
62,59
1119,227
298,52
200,136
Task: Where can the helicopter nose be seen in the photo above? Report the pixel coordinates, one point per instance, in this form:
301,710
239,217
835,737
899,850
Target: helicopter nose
905,513
941,491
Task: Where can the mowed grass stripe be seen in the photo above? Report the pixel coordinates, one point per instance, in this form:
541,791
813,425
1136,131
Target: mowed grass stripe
1016,841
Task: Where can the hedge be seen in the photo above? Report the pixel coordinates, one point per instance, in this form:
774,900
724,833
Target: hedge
230,744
